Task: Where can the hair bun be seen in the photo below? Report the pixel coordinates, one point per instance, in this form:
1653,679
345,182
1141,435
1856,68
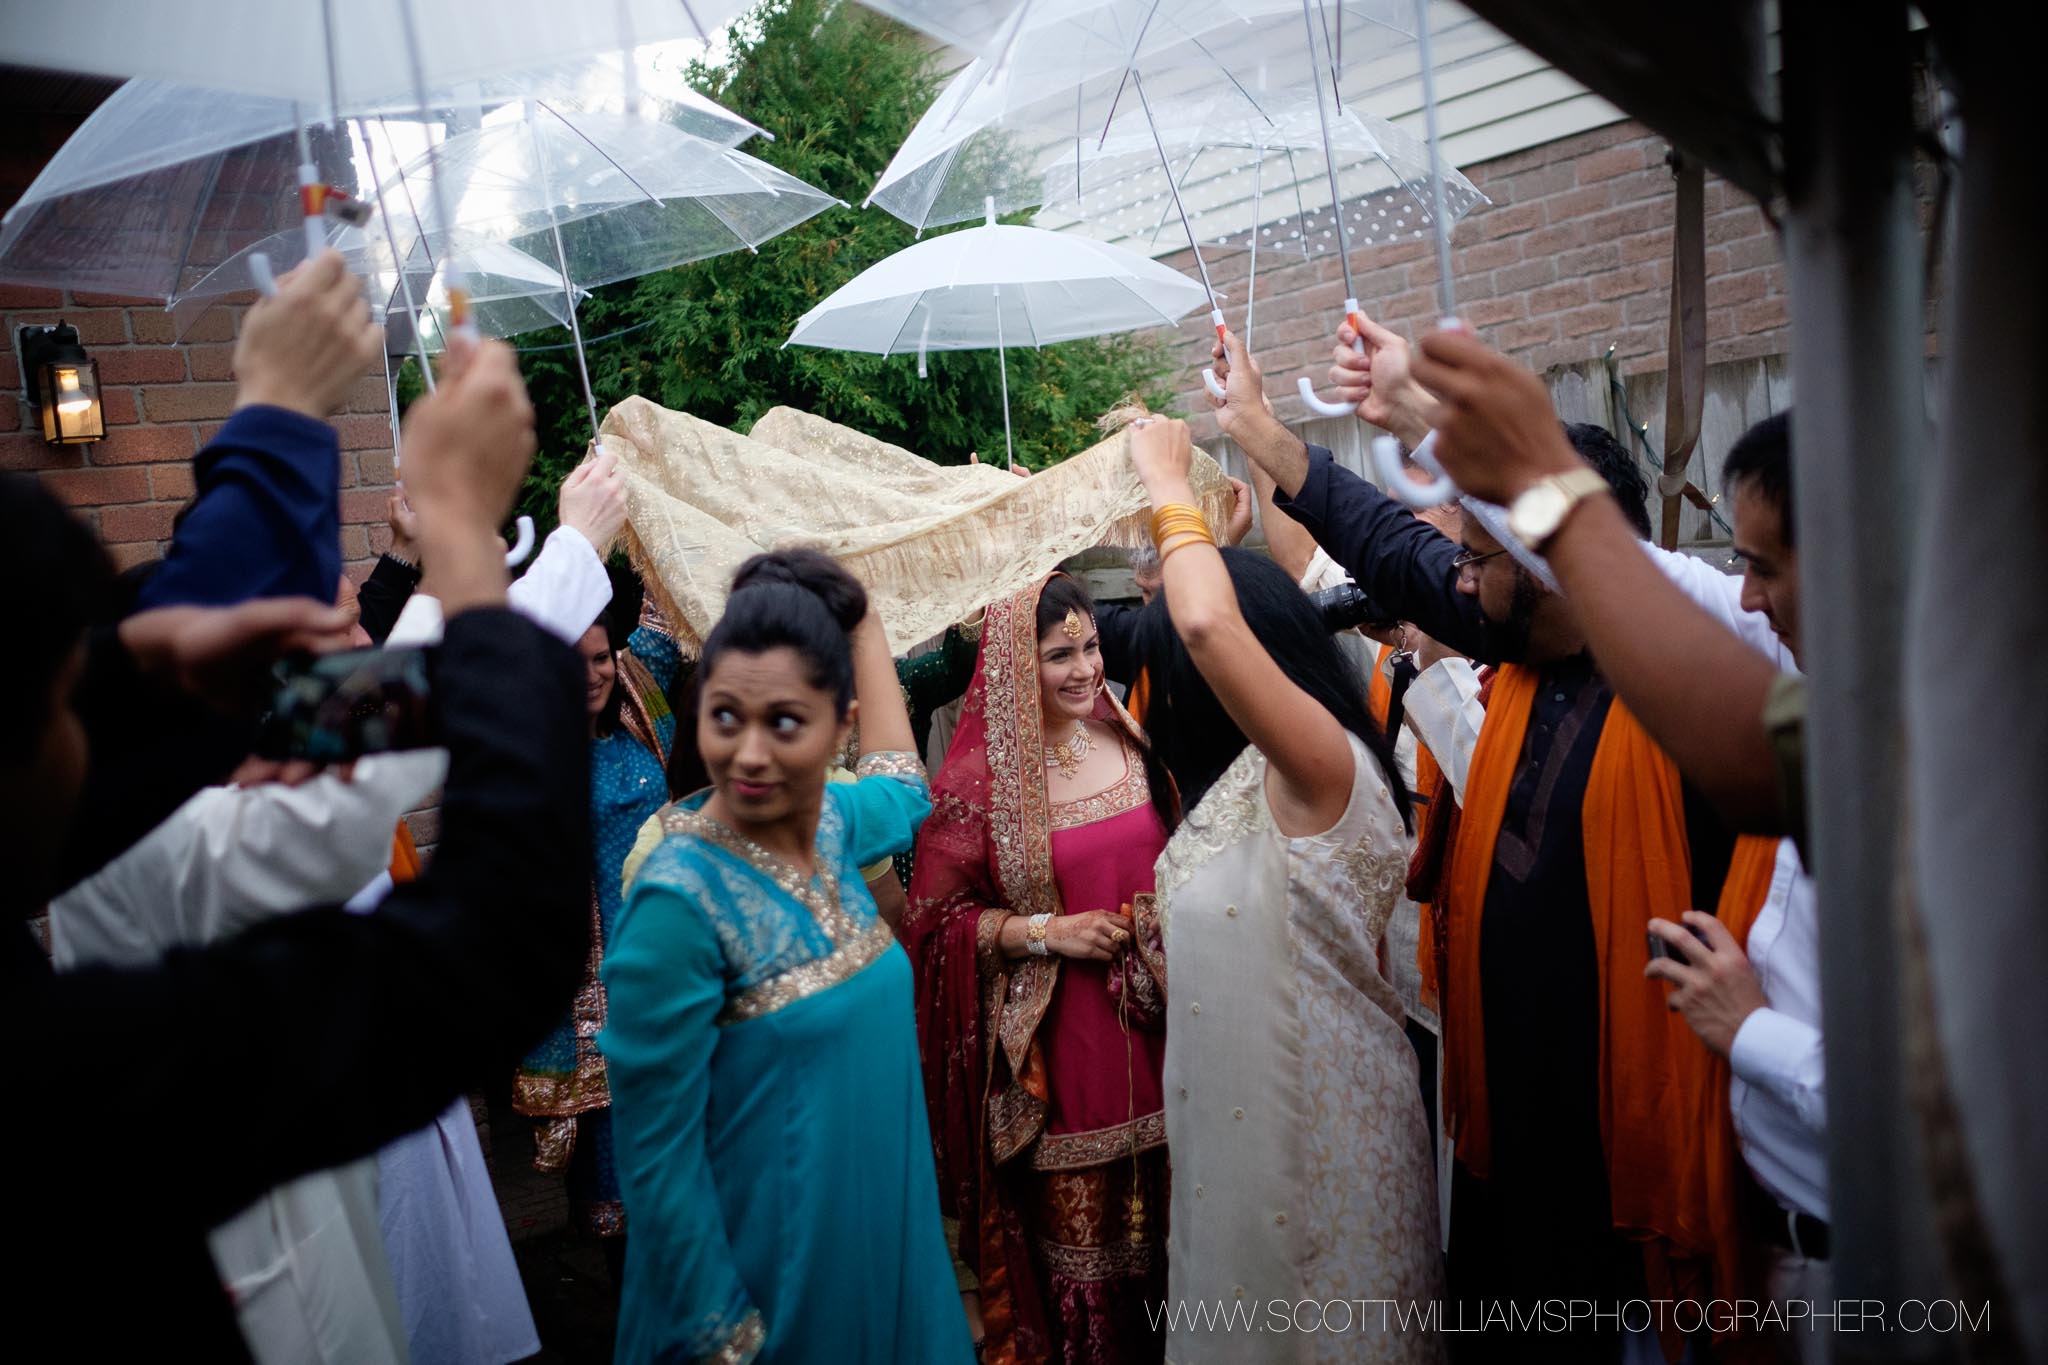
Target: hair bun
813,571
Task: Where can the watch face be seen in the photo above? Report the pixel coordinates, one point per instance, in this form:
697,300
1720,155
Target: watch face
1536,513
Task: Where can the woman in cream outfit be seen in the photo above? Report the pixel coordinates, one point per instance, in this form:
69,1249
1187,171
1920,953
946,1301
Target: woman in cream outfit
1303,1215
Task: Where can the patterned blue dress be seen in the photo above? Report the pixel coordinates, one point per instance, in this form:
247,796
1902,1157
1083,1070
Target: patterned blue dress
562,1081
768,1102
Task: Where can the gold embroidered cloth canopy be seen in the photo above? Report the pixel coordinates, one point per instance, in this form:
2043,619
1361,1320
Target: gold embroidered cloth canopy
932,543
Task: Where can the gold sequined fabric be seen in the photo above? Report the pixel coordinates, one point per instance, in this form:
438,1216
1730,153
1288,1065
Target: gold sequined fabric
931,542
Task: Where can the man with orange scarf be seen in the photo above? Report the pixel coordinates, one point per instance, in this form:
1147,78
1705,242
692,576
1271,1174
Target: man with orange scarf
1752,998
1575,1100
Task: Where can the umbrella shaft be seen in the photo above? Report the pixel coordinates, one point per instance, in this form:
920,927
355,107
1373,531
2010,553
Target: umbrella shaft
1446,294
1166,168
1308,25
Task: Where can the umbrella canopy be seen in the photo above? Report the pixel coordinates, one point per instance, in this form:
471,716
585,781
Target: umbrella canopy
341,57
997,285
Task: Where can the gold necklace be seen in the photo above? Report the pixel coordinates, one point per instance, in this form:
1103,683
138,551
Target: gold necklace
1068,753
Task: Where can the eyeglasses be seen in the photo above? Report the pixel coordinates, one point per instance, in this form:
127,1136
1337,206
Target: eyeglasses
1473,558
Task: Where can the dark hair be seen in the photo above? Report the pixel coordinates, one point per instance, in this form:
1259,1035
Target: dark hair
1597,447
60,581
795,599
1193,736
1061,594
1762,458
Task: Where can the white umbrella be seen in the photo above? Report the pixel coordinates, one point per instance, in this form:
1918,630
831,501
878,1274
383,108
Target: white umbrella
995,286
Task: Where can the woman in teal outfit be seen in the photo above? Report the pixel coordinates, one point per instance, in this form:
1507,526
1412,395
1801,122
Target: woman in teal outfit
768,1110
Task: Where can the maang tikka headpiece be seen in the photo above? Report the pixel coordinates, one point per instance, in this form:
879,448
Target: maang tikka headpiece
1072,627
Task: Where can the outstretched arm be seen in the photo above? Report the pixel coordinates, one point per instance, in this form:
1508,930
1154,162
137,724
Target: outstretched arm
1698,689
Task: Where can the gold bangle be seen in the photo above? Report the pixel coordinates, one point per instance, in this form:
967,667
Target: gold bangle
1181,542
1167,519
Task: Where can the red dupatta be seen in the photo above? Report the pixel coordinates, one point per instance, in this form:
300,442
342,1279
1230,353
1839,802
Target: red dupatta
984,854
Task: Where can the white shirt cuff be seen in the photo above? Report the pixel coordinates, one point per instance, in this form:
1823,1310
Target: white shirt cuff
1782,1055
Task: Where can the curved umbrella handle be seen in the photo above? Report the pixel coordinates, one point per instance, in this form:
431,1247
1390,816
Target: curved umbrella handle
1216,390
1321,407
1386,462
523,545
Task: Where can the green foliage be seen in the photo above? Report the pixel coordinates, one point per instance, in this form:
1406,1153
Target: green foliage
840,87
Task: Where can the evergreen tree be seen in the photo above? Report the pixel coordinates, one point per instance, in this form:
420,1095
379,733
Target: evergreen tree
840,87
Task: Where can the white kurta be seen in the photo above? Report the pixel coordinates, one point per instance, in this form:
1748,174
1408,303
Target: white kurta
1301,1159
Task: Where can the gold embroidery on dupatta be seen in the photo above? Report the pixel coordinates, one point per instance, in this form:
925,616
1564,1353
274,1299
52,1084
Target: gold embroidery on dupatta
1098,1146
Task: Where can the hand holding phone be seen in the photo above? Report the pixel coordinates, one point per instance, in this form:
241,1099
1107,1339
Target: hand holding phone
337,707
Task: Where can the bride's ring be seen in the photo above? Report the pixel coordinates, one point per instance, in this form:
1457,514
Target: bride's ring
1118,937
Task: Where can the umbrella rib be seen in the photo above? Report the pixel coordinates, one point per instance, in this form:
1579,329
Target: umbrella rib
178,276
570,124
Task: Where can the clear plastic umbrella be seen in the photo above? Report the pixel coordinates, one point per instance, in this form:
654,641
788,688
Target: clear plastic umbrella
341,58
1256,163
996,286
163,182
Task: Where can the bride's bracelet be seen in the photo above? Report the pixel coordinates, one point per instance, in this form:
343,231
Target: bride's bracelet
1034,935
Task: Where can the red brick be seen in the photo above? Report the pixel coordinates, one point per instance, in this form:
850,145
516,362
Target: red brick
96,487
1507,219
1599,317
1654,183
1633,218
1729,227
10,412
215,324
374,468
1559,297
1654,245
10,371
1576,203
369,395
1527,275
147,521
152,327
128,556
380,536
1515,336
117,407
1487,255
1588,260
1763,316
27,296
211,362
363,505
28,450
96,326
1746,253
168,482
1604,165
144,445
85,300
1559,237
355,544
1633,279
1534,184
1489,312
1729,290
189,402
142,365
425,826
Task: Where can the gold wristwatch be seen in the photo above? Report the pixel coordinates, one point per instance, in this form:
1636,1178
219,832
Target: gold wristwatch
1535,516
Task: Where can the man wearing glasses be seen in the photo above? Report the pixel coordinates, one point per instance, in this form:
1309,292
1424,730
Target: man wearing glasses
1562,1073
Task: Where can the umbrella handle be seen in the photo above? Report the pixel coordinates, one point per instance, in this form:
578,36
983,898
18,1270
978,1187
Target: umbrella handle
522,546
1216,390
1386,462
312,203
260,273
1307,390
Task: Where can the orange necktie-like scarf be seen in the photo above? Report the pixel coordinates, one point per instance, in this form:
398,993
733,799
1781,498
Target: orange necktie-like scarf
1671,1177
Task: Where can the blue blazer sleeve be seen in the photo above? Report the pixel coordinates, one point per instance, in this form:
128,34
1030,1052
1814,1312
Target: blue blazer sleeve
1403,562
664,983
881,810
266,521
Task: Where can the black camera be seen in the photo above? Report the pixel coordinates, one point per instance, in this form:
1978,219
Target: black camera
1347,605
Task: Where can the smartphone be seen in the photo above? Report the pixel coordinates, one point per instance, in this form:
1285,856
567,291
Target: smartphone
1659,948
331,708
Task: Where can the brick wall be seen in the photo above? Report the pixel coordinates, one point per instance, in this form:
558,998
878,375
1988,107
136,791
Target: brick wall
162,401
1572,255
